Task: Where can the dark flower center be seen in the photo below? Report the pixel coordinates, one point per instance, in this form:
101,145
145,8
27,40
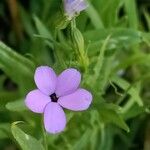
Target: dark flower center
54,97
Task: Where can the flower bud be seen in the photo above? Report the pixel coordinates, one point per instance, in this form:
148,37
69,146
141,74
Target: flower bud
78,44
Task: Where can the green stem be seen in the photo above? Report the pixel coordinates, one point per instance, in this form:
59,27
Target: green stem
102,127
44,137
73,23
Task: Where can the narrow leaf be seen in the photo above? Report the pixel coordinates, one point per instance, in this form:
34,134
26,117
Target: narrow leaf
25,141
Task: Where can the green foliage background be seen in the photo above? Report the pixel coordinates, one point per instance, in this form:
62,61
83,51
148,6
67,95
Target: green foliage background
110,45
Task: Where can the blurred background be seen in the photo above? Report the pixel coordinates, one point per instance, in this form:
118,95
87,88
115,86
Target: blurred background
115,67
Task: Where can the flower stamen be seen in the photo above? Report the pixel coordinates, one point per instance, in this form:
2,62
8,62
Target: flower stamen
53,97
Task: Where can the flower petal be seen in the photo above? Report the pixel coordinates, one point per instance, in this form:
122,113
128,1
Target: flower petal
45,79
77,101
74,6
54,118
67,82
36,101
81,6
69,1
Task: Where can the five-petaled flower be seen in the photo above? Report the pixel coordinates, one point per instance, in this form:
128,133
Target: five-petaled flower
55,92
73,7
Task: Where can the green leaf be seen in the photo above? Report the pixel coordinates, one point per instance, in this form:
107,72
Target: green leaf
139,58
147,17
82,141
16,66
109,113
42,30
100,59
100,70
108,11
26,20
146,38
129,89
120,35
94,16
134,112
18,105
131,10
25,141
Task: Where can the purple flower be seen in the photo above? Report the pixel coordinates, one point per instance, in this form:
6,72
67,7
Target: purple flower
55,92
73,7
